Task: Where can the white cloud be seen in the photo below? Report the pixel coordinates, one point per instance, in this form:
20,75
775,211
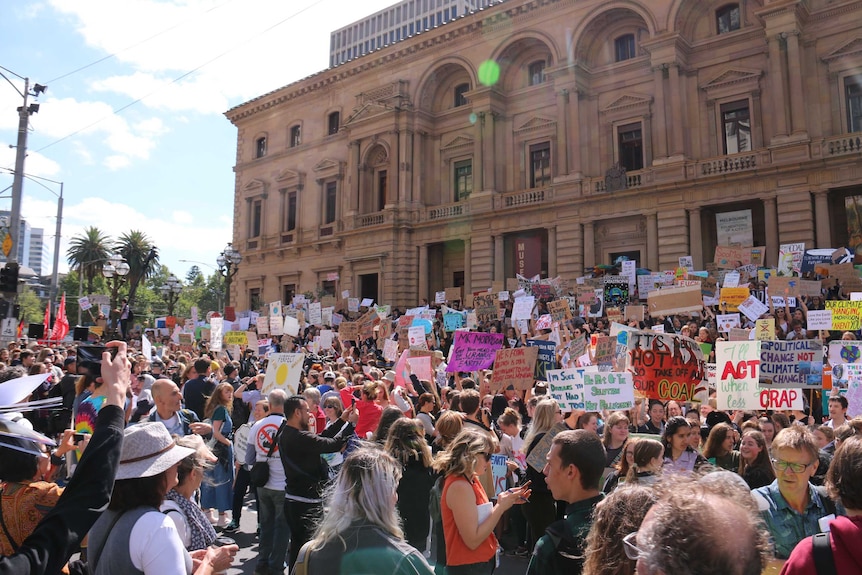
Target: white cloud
182,217
116,162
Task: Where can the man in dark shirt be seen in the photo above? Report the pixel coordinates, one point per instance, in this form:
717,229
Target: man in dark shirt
196,391
305,471
655,423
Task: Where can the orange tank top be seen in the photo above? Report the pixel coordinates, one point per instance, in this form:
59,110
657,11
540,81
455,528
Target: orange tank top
457,552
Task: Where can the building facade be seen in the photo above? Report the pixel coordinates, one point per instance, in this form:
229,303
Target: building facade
38,255
548,136
23,246
402,20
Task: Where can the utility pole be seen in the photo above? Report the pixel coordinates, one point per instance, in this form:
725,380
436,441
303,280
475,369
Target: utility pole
18,181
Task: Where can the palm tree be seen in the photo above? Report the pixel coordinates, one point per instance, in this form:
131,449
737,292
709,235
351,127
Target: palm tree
141,255
88,252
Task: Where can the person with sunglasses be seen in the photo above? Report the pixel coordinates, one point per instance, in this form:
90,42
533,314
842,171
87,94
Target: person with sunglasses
792,508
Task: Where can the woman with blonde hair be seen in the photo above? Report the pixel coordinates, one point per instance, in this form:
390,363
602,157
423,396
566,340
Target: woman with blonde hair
618,515
406,443
541,510
467,515
614,437
621,469
448,426
217,488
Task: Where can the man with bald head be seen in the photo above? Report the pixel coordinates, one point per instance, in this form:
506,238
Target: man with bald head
700,527
169,409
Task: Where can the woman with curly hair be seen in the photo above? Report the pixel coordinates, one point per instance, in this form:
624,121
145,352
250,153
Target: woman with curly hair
618,515
719,447
406,443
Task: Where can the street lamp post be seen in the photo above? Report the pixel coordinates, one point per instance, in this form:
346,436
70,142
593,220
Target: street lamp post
115,271
228,264
171,292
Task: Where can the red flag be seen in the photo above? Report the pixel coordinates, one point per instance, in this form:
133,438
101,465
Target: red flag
61,324
20,333
46,323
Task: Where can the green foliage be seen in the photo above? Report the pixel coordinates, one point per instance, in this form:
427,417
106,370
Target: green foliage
32,308
142,257
88,252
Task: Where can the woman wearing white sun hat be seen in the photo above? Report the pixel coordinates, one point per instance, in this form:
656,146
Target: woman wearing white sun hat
133,536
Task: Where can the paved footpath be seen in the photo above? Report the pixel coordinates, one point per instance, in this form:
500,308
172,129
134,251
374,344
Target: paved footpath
246,559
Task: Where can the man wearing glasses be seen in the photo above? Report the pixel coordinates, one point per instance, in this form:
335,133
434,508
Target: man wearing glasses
791,506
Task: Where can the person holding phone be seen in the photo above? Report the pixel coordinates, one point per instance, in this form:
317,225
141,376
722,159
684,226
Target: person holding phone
89,365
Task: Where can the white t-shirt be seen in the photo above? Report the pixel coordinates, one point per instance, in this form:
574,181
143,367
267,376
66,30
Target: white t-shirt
155,546
260,436
172,510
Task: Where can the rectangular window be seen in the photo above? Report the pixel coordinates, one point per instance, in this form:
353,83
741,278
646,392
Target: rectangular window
295,136
255,219
631,150
463,179
290,212
540,165
624,47
382,184
288,292
332,123
537,72
727,18
330,204
460,97
260,147
255,302
328,287
736,122
853,93
412,29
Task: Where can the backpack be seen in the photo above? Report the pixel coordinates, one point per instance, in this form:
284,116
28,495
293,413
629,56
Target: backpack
568,550
824,562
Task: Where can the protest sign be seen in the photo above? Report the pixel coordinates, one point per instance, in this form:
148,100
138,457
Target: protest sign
731,279
790,258
84,303
390,350
614,314
665,366
315,317
453,321
608,390
539,454
366,324
732,297
634,312
854,390
472,351
440,297
846,315
523,307
348,331
738,374
672,301
648,283
421,367
499,471
739,334
366,302
795,363
731,257
567,387
753,308
353,304
515,367
606,348
764,329
686,262
283,372
546,358
616,291
453,294
326,336
819,319
235,338
416,336
727,321
486,308
291,326
276,325
559,310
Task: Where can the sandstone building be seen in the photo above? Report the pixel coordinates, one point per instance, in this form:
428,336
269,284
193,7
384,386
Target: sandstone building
496,144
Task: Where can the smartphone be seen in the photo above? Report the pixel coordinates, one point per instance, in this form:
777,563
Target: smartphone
78,437
90,359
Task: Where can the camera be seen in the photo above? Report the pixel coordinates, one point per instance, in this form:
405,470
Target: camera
90,359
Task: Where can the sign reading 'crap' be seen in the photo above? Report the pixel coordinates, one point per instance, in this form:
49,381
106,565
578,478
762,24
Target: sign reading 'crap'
738,376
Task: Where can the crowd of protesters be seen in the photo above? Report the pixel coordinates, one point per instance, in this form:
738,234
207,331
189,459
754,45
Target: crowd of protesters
354,473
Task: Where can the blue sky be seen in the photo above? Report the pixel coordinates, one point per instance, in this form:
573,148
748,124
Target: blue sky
164,164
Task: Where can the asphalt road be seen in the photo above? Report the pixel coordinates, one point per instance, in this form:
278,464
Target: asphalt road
246,558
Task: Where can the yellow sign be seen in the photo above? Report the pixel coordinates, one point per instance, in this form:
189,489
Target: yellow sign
7,244
733,296
235,338
765,329
846,315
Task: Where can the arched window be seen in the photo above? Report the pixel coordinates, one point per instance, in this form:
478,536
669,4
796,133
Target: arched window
460,98
727,18
536,72
260,147
624,47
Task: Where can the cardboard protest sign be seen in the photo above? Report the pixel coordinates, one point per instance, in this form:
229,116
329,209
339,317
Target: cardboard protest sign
673,301
453,294
567,387
606,348
559,310
634,312
546,358
348,331
472,351
539,454
819,319
609,390
731,257
732,297
764,329
739,334
486,308
515,367
795,363
738,374
440,297
315,317
390,350
616,291
276,325
665,366
753,308
366,324
283,372
846,315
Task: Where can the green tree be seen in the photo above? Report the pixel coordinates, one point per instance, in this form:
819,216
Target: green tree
88,252
142,257
193,274
32,308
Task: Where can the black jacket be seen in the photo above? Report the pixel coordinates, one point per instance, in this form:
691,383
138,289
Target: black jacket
305,471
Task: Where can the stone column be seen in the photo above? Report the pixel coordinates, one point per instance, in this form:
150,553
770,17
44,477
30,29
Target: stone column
561,165
652,240
575,131
479,148
794,72
423,273
489,143
468,270
776,87
552,251
822,225
677,147
660,124
355,172
770,215
499,266
695,238
589,245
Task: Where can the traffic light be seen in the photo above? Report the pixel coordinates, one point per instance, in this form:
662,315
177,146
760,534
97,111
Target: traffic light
9,278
